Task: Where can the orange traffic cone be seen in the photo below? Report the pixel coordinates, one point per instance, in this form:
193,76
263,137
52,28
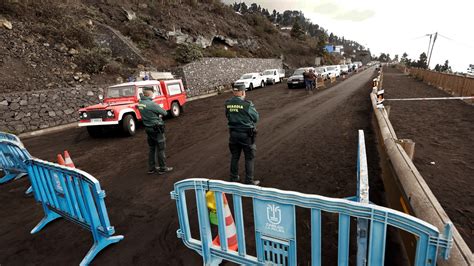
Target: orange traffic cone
67,160
230,230
61,160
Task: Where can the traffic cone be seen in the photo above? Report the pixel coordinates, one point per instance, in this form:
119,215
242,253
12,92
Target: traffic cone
67,160
61,160
230,229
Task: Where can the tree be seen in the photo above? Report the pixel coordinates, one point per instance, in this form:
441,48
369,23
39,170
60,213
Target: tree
423,61
404,59
443,68
296,31
395,58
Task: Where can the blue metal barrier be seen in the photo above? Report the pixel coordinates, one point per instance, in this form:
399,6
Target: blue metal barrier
12,160
11,137
75,195
275,224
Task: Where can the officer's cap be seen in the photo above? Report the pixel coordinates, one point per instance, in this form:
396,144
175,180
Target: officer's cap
149,88
239,88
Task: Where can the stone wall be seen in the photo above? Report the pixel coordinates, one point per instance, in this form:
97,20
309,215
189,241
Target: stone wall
28,111
208,74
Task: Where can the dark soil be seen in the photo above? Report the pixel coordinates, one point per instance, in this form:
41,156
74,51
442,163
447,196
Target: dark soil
306,143
444,134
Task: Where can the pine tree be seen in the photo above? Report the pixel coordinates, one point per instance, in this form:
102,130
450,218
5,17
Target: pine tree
296,31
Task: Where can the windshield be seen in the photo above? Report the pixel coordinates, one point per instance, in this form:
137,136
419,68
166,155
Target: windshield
268,72
331,68
319,71
246,76
123,91
299,72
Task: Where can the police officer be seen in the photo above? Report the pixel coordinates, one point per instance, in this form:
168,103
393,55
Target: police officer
152,114
242,117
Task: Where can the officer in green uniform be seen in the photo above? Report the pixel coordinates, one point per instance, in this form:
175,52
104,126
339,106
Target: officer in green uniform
151,114
242,117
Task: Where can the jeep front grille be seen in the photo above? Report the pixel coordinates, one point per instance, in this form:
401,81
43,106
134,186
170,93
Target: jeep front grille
97,114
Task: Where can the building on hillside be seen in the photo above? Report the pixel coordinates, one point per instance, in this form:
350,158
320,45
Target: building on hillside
338,49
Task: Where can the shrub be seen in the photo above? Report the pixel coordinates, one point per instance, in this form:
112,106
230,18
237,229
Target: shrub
222,53
93,61
186,53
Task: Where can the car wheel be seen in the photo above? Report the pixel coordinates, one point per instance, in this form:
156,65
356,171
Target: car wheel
262,84
251,87
95,131
129,126
175,110
290,87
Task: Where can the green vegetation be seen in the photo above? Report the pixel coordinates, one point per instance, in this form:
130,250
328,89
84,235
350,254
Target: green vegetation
186,53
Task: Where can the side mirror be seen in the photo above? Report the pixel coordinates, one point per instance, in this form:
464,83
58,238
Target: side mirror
254,77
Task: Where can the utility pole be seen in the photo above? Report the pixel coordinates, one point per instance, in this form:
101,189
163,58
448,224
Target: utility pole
431,53
429,44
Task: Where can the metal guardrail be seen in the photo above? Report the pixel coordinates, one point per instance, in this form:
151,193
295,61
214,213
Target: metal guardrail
12,159
75,195
275,224
405,187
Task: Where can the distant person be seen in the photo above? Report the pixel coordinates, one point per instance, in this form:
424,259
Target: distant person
242,119
312,79
306,79
152,114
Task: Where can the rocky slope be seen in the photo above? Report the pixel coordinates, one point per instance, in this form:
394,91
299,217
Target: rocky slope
54,44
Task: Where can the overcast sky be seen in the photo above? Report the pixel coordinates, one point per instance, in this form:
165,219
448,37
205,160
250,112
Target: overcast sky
394,27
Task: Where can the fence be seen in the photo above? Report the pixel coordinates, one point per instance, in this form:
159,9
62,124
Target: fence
275,224
12,159
406,189
74,195
453,84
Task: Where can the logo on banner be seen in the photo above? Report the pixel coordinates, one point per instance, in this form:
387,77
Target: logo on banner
273,214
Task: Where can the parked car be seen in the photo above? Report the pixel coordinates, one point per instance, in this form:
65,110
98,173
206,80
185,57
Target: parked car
251,81
272,76
119,105
333,71
344,69
296,80
358,63
322,72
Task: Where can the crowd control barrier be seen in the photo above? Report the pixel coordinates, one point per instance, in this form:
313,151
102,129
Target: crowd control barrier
75,195
11,137
275,224
12,159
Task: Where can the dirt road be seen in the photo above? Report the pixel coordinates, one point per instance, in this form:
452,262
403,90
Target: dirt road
306,143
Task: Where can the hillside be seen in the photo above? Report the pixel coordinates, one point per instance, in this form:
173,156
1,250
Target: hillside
52,44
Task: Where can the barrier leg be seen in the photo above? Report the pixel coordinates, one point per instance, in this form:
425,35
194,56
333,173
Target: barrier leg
29,190
100,243
8,176
20,175
49,217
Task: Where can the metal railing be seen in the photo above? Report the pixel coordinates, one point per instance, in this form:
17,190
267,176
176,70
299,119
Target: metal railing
275,223
75,195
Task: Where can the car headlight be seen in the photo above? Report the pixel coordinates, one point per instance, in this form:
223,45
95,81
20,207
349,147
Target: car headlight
83,115
110,113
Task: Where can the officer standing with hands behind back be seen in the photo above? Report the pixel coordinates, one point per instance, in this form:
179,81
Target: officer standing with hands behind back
151,114
242,118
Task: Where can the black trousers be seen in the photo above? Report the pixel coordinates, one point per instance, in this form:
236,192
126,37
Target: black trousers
238,142
157,144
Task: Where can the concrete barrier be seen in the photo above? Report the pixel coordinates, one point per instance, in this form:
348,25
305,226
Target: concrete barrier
407,190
